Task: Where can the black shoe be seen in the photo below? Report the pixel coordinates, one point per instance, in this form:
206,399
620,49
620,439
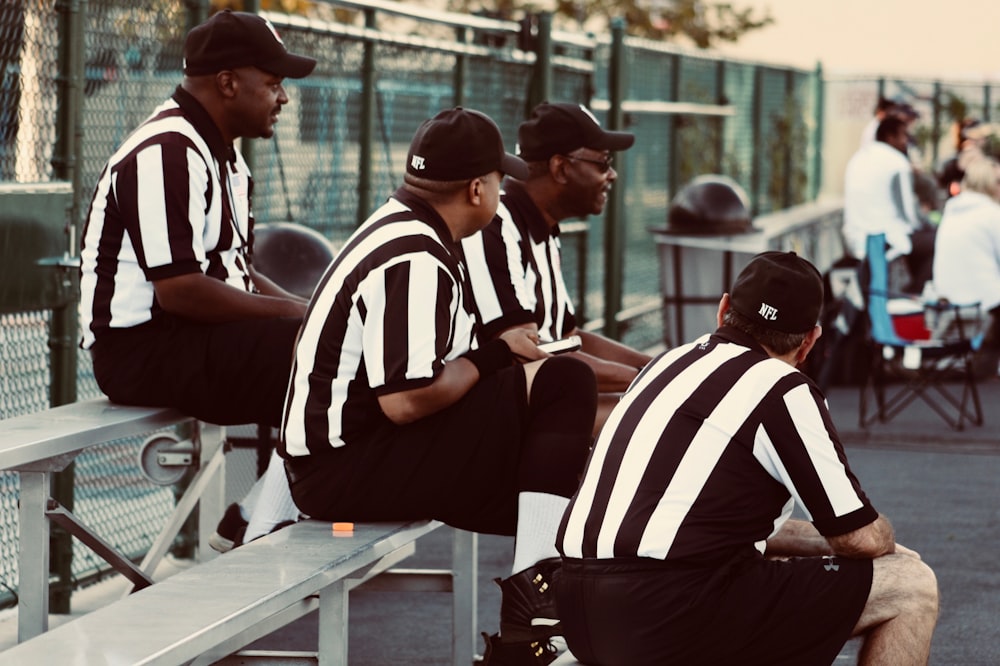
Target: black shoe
500,652
229,532
284,523
528,603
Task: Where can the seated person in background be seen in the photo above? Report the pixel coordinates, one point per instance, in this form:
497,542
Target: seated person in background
678,548
967,254
515,266
395,410
879,198
969,137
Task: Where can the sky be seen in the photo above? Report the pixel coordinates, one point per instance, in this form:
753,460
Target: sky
951,39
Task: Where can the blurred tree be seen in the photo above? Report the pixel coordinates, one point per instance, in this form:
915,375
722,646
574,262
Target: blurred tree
703,22
287,6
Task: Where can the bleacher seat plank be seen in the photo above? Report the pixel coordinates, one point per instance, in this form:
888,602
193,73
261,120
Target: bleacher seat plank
69,429
191,613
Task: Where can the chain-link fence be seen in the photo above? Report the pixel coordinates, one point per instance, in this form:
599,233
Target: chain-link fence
67,101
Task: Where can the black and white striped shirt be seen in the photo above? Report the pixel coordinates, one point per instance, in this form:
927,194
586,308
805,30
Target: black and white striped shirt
708,452
516,271
173,199
390,311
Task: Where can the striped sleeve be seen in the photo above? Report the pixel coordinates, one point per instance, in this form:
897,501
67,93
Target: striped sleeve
497,276
167,222
804,453
410,308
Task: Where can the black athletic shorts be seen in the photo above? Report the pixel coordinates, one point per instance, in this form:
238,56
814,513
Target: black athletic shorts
747,610
458,466
230,373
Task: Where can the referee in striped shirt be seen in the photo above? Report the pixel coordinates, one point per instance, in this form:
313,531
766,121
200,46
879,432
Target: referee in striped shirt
678,548
395,411
171,309
515,264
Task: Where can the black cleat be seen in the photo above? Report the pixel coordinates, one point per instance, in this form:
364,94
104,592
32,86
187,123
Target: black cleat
528,603
229,532
501,652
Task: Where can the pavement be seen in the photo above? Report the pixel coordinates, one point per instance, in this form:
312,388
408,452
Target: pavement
936,485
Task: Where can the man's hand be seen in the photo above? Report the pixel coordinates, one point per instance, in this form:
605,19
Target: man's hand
523,343
903,550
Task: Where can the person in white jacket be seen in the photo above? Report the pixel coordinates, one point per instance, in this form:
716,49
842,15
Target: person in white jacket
967,254
879,198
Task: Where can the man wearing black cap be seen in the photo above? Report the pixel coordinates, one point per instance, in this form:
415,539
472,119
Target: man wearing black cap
515,264
677,548
397,411
172,310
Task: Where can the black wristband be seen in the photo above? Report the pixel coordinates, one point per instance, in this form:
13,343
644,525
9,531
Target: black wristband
492,357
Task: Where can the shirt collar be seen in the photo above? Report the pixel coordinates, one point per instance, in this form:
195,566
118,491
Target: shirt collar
738,337
204,125
539,229
428,215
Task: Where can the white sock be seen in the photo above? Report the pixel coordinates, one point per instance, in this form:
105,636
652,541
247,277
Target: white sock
538,517
250,500
274,505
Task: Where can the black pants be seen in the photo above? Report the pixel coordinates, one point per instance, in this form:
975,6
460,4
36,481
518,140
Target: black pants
464,465
920,260
227,374
742,610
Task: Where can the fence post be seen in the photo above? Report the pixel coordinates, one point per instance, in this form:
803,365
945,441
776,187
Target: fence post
541,77
818,133
197,13
673,125
248,147
791,119
63,325
461,68
367,121
720,122
757,116
986,102
614,246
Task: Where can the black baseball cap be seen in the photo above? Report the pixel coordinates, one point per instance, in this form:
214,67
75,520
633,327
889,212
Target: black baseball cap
560,128
780,291
231,39
459,144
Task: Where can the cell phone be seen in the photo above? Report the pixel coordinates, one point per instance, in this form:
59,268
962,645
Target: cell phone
572,343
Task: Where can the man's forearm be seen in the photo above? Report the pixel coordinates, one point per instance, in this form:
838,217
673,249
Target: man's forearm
798,538
455,380
873,540
612,350
201,298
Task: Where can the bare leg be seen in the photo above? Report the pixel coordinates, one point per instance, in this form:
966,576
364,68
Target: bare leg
898,620
605,403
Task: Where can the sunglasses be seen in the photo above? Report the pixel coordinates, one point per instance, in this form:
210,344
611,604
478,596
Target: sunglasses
602,165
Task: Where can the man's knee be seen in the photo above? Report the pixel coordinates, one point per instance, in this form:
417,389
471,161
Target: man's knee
904,585
925,585
563,378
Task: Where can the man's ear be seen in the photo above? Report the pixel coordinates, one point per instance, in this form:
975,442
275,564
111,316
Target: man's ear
557,169
475,191
227,83
808,343
723,307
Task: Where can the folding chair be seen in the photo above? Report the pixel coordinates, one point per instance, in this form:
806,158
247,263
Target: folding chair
924,365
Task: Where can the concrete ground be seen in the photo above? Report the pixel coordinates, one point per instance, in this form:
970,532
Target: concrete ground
937,486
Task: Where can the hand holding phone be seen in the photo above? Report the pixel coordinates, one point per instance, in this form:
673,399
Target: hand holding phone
572,343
